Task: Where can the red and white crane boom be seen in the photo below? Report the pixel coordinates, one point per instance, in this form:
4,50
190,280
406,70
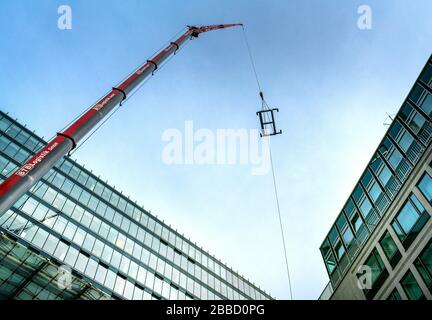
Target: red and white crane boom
34,169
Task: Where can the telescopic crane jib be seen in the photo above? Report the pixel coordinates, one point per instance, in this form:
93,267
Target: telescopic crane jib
34,169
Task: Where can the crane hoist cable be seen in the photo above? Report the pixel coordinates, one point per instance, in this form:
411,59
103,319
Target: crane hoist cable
268,127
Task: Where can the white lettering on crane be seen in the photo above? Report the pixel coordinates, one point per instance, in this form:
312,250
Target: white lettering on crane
101,104
30,165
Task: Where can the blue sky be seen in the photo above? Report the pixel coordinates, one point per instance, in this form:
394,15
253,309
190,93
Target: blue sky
334,85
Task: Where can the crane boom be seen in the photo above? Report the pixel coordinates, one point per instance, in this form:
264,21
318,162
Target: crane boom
34,169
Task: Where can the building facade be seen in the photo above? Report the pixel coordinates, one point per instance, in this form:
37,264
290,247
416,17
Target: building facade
380,246
75,237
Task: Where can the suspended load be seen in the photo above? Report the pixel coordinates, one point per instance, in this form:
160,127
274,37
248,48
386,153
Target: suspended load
267,119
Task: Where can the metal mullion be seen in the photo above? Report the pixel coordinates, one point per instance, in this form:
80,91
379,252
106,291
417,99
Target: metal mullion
407,128
380,183
139,262
360,213
419,110
367,195
58,170
396,145
5,256
424,85
157,254
384,159
27,281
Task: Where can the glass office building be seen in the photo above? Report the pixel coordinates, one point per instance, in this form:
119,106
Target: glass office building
385,224
113,247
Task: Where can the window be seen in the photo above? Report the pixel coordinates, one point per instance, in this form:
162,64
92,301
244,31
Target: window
4,124
422,98
347,236
150,280
399,134
379,273
133,269
390,249
137,251
81,262
61,250
85,197
367,178
115,261
119,286
107,253
110,279
98,248
416,93
114,199
425,186
66,166
333,235
341,221
101,208
424,265
411,287
22,155
58,180
109,213
11,149
93,203
385,175
106,194
366,207
70,231
67,186
395,295
91,183
76,191
40,238
141,275
79,237
83,178
395,159
89,242
101,274
124,265
356,222
74,173
330,263
412,118
129,289
122,204
86,219
427,104
71,256
375,191
59,200
426,75
22,137
13,130
409,221
98,188
145,256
